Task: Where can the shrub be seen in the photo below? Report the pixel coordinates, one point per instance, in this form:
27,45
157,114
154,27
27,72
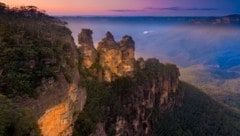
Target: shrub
16,121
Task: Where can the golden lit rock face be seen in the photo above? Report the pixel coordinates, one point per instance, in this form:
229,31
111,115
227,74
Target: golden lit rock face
127,47
59,103
110,61
89,55
116,59
55,122
58,120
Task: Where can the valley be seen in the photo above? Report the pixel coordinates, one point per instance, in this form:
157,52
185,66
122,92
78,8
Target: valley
100,76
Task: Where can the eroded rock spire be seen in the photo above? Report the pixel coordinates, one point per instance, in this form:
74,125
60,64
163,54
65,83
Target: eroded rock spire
115,58
88,51
85,37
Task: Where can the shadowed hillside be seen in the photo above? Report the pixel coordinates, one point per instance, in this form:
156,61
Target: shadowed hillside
222,85
200,115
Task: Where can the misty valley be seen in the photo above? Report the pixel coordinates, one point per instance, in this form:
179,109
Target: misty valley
207,51
118,75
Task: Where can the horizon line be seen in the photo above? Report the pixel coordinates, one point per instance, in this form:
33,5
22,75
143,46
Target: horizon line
145,15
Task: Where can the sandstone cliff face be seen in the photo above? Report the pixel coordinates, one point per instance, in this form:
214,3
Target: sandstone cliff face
110,57
59,101
127,47
115,59
58,119
88,51
158,94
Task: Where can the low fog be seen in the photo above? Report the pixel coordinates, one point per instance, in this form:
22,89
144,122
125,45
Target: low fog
170,41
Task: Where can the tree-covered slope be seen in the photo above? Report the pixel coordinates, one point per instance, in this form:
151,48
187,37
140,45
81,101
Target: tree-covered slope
35,50
199,116
33,46
15,121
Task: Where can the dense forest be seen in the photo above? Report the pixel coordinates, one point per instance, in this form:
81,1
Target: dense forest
32,45
200,115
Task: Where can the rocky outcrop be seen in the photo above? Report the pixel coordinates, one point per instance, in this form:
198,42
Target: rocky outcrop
116,59
58,119
59,102
87,49
154,88
158,94
127,48
110,57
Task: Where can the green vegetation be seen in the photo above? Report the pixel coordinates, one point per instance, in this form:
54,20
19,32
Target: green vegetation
199,116
105,101
16,121
92,113
33,46
155,70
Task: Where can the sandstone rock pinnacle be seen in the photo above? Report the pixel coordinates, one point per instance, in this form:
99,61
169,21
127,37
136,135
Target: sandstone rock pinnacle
107,43
116,59
88,51
85,37
127,47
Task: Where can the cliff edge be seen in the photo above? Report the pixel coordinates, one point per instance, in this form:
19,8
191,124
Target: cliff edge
38,72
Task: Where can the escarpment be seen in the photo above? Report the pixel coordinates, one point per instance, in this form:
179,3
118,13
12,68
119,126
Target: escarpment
59,100
39,72
41,69
137,92
51,87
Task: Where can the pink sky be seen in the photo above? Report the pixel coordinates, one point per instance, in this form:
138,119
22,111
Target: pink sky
132,7
81,7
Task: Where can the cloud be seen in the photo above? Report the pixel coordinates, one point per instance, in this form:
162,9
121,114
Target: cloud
164,9
125,10
202,9
182,9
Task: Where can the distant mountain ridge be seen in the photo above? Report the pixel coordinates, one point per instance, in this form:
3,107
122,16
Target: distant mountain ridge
229,19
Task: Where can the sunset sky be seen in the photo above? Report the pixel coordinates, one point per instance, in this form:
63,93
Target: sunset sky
133,7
